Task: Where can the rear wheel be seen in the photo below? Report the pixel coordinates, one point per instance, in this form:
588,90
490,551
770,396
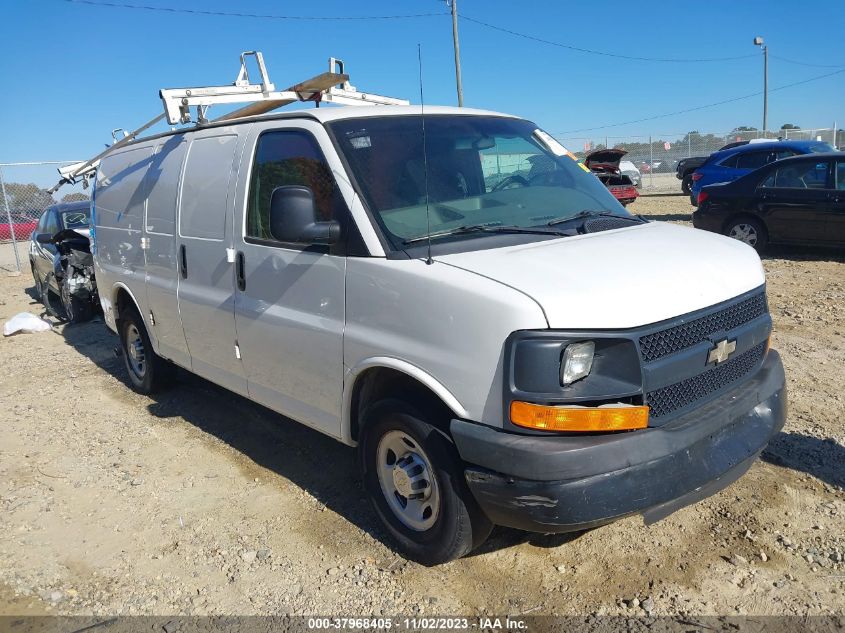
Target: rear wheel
148,372
415,481
686,184
749,231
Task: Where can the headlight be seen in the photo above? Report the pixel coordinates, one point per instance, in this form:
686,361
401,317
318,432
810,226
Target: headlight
577,362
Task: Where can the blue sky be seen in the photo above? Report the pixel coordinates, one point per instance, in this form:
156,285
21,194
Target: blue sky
72,71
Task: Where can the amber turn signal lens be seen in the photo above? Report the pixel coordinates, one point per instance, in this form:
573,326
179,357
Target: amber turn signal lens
550,418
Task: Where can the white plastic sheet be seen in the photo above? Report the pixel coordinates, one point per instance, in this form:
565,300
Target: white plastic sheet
25,322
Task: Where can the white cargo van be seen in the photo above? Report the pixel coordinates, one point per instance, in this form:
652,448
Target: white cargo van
502,341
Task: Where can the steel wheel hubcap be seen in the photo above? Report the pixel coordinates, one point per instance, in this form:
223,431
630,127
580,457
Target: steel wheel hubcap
135,351
407,480
744,233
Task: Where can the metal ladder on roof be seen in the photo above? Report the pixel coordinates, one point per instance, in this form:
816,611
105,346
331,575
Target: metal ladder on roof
329,87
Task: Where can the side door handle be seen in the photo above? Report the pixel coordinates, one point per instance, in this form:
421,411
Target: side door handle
183,261
240,272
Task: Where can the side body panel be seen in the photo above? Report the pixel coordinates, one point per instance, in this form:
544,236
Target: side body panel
449,323
206,285
836,213
795,215
162,278
44,255
120,198
290,313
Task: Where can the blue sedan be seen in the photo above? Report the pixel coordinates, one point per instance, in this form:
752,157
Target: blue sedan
730,164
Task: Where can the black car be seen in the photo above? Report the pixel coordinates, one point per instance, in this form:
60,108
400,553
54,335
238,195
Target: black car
61,261
797,200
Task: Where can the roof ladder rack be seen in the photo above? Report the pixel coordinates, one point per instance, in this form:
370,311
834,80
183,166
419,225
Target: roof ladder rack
262,97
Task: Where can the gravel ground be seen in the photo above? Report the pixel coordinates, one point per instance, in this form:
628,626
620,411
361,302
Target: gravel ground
197,501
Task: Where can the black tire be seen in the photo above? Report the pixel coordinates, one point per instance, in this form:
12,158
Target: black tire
147,371
748,230
458,525
76,310
686,184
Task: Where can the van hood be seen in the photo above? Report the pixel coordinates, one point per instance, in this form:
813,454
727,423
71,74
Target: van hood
622,278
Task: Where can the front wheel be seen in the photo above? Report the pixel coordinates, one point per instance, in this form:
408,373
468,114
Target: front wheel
415,481
686,184
148,372
749,231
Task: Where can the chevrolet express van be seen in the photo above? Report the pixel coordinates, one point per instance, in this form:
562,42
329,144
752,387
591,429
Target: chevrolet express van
456,297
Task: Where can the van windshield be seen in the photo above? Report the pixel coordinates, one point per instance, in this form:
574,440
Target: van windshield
477,171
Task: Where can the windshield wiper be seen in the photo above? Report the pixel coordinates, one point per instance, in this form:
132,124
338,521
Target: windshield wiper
590,213
484,228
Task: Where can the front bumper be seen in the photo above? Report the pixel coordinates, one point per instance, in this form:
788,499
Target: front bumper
568,483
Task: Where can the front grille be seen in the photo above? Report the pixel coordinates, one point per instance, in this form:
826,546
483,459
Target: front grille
666,400
674,339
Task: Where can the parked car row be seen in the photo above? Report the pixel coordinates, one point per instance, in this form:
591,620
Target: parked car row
685,167
796,200
732,163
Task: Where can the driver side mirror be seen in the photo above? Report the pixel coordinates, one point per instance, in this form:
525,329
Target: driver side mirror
293,217
44,238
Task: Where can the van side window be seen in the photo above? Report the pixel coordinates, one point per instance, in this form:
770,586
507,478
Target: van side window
288,158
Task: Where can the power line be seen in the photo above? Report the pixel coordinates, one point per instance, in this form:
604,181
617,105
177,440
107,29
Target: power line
230,14
792,61
702,107
603,53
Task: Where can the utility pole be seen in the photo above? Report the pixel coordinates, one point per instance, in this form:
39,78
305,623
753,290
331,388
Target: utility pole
758,41
454,4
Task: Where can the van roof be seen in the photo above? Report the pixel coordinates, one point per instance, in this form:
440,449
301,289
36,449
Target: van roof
335,113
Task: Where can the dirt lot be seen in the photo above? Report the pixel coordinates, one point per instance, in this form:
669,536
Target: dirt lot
197,501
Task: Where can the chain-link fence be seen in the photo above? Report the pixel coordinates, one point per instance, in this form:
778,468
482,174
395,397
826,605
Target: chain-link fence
656,156
23,198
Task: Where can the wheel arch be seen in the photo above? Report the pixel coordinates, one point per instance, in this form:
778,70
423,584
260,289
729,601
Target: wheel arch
123,298
383,377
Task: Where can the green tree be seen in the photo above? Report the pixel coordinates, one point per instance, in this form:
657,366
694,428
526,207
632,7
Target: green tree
26,198
76,196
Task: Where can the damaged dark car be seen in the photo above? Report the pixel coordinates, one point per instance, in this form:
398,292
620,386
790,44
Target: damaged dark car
604,163
61,262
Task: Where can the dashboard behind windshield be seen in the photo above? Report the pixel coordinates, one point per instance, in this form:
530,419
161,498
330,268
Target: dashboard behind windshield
475,170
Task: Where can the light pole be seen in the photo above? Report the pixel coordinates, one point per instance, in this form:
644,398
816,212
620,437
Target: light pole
758,41
454,5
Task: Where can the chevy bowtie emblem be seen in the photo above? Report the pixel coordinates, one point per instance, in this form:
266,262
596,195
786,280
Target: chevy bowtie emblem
721,352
